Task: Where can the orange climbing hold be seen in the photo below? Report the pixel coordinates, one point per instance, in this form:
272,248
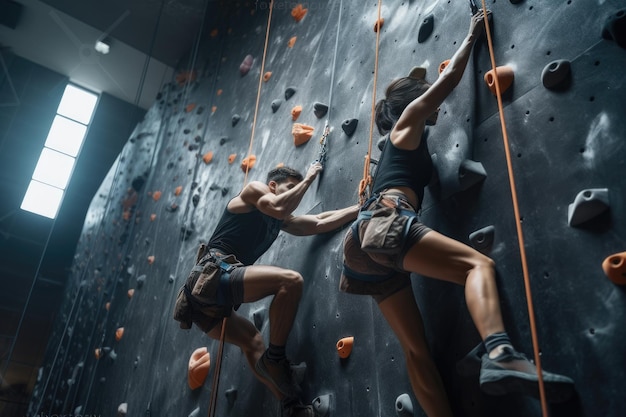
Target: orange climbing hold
213,109
301,133
344,347
219,92
199,365
208,157
267,76
151,259
443,65
248,162
214,32
379,24
107,306
98,353
614,267
152,217
189,108
505,76
292,41
119,333
185,77
298,12
178,190
130,293
156,195
232,157
295,113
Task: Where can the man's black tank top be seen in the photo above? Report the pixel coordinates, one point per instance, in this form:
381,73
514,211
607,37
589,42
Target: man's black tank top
399,167
246,235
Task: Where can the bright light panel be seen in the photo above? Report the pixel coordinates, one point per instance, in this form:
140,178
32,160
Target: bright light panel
77,104
66,136
54,168
42,199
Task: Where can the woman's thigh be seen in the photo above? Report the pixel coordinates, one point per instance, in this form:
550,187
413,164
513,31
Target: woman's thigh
438,256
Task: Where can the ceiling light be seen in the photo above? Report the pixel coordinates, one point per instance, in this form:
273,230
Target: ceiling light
103,46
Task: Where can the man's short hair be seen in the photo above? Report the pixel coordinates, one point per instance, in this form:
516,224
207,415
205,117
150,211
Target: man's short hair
281,174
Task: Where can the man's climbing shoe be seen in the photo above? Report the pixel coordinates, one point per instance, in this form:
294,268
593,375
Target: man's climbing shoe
469,365
279,373
511,372
294,408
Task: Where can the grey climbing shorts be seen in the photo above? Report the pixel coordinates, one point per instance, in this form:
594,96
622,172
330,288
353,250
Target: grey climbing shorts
376,274
212,290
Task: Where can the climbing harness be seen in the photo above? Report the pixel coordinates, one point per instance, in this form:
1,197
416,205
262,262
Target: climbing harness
366,181
518,225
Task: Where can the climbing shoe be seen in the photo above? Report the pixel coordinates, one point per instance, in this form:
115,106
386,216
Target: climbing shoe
469,365
512,372
294,408
279,373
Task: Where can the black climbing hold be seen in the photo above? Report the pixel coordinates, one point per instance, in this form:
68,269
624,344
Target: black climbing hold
186,232
141,280
159,96
225,191
235,119
214,187
258,317
471,173
197,139
615,28
321,405
289,92
276,105
200,110
404,406
349,126
587,205
223,140
516,1
426,28
231,397
195,200
186,131
482,239
193,147
556,75
320,110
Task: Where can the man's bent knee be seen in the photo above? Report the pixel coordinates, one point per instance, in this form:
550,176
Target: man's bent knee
291,280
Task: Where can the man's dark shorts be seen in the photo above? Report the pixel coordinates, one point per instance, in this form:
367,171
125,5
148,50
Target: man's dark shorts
388,268
212,290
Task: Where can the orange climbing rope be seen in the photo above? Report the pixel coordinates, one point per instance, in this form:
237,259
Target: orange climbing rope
367,178
518,224
218,361
258,95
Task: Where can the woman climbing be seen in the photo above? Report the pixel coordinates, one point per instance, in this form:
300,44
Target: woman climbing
380,264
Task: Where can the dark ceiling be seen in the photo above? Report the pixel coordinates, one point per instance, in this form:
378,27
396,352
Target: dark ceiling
35,253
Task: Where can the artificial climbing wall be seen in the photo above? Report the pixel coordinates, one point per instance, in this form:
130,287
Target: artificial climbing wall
117,346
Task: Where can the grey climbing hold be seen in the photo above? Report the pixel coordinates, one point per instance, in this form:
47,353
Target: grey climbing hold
235,119
231,397
615,28
556,75
482,239
276,105
195,413
426,28
321,405
246,64
587,205
320,110
289,92
122,409
404,405
349,126
471,173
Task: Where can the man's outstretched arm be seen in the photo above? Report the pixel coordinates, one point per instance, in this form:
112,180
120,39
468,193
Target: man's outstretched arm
312,224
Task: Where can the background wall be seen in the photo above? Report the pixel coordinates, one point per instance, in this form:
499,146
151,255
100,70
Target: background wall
563,141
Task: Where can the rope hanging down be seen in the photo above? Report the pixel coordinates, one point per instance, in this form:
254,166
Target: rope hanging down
367,178
518,225
321,157
218,362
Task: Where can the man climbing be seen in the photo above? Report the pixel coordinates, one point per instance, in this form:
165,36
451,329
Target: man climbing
224,276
